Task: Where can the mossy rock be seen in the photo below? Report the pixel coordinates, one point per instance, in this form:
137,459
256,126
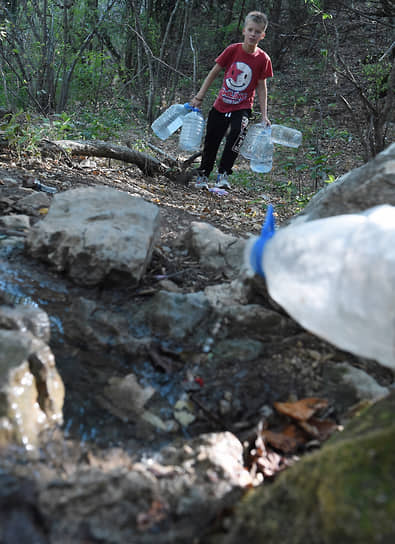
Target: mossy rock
344,493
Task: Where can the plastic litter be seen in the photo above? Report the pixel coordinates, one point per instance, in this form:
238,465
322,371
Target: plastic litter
218,191
45,188
192,131
170,120
335,276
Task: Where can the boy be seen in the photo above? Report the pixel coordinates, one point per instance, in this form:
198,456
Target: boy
246,69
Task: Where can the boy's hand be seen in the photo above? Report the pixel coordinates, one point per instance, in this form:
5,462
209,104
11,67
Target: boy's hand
196,102
266,121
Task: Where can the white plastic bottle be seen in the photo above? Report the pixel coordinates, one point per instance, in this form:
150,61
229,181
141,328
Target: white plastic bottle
286,136
336,277
170,120
192,131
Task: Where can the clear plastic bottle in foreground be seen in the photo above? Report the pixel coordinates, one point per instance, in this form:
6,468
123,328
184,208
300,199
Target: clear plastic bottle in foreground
170,120
289,137
192,131
336,277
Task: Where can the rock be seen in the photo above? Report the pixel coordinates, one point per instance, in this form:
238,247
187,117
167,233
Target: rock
108,504
214,248
365,386
237,349
187,484
342,493
20,519
166,314
32,203
227,294
210,466
369,185
168,285
15,221
127,396
25,317
97,234
174,315
31,390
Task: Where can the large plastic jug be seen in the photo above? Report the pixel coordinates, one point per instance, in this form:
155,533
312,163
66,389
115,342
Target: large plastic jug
192,131
257,142
170,120
265,162
336,277
286,136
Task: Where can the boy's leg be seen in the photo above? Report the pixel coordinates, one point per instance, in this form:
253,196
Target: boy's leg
238,129
217,123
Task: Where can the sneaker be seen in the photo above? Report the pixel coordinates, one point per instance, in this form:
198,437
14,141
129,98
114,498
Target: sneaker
222,181
201,182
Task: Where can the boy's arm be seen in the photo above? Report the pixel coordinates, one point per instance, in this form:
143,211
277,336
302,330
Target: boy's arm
261,89
197,100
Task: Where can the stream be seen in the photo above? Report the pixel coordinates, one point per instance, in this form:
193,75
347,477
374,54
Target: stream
84,370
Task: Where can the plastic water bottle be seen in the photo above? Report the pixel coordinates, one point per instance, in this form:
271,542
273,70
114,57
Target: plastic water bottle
256,141
258,147
286,136
192,131
336,277
170,120
265,162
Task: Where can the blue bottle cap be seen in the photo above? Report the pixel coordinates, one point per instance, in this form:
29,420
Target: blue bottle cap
268,230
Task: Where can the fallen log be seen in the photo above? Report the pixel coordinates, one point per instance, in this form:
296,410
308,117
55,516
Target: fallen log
177,170
97,148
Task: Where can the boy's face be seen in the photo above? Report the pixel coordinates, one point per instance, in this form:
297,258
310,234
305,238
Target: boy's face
253,33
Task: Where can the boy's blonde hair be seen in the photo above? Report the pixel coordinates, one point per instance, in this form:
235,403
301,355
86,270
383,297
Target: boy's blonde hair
257,17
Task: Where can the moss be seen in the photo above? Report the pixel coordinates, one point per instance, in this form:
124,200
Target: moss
343,493
356,488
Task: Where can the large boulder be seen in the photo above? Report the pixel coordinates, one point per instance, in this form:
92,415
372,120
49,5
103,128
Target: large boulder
343,493
169,498
369,185
97,234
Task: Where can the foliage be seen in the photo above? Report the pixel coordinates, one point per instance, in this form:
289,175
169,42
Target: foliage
377,78
316,7
22,133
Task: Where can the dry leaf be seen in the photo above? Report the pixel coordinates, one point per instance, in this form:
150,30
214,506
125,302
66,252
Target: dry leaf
279,441
301,410
319,429
288,440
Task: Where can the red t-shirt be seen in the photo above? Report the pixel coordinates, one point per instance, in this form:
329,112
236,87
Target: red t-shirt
242,73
